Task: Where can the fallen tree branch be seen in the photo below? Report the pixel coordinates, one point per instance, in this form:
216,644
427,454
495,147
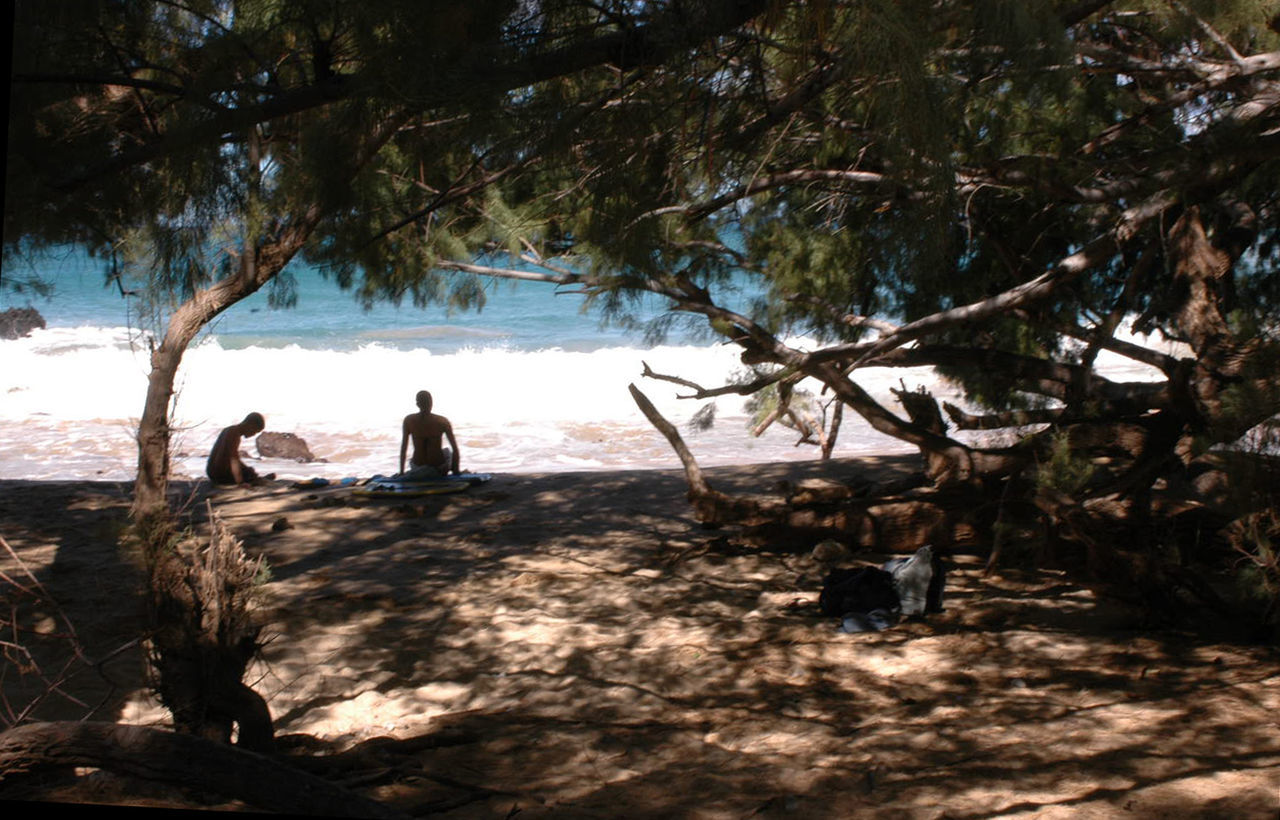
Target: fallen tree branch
707,503
180,759
999,421
697,483
893,524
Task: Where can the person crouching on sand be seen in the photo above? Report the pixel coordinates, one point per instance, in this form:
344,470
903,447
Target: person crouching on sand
430,459
224,465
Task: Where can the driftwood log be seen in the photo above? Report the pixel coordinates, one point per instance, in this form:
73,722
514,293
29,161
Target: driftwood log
894,523
179,759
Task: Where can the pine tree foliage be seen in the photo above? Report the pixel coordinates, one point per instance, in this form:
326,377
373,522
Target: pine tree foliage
989,187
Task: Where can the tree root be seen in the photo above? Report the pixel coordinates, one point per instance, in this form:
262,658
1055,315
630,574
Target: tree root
179,759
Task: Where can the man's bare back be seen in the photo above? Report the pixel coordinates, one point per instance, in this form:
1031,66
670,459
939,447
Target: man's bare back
224,465
427,430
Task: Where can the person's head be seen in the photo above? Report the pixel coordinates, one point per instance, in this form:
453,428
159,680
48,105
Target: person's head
253,424
424,401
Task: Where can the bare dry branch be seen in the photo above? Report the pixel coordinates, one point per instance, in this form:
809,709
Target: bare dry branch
1000,421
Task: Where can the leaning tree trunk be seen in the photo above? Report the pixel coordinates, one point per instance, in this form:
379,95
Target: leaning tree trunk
257,267
198,667
150,493
196,673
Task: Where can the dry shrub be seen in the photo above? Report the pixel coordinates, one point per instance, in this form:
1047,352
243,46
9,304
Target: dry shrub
204,615
1256,540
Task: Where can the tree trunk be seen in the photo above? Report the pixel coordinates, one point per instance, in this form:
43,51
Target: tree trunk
258,265
151,489
150,501
198,674
180,760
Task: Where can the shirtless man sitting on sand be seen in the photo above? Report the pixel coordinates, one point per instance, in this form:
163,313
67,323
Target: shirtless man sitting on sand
430,459
224,465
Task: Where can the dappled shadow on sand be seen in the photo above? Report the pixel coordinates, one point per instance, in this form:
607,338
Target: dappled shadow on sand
65,591
576,645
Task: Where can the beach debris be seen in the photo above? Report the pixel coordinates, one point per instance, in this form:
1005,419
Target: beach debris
284,445
871,599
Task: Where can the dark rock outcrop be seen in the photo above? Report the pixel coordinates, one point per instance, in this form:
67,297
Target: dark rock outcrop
284,445
18,322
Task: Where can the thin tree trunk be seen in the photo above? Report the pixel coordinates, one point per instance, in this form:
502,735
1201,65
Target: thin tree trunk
708,504
215,686
837,416
258,266
150,503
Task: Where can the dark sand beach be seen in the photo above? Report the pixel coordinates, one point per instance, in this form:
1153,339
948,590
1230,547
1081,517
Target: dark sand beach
576,645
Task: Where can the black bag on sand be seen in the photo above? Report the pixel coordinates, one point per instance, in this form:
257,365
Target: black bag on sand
861,589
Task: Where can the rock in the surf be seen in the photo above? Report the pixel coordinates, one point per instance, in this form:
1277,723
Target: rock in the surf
284,445
18,322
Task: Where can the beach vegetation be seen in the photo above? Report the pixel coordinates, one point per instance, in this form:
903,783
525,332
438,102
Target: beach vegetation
1001,191
1009,196
204,621
199,148
1065,470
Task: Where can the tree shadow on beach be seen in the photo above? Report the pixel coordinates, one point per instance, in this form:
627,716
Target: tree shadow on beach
75,651
789,717
625,665
578,646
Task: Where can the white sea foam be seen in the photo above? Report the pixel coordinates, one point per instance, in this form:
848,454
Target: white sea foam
70,398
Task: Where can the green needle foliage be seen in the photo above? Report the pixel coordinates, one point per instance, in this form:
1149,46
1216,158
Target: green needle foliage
988,187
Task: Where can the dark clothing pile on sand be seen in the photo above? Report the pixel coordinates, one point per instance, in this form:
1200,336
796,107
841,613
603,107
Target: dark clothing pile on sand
869,599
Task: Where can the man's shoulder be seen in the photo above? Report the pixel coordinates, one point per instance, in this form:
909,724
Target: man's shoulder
416,421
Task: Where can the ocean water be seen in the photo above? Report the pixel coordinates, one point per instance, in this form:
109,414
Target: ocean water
531,383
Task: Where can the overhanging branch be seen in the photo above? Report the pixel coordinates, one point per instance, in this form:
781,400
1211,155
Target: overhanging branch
701,392
650,43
